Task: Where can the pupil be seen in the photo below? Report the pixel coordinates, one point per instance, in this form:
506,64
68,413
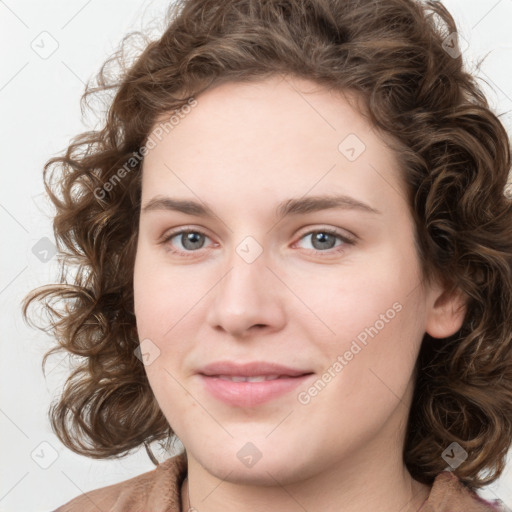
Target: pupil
323,240
192,238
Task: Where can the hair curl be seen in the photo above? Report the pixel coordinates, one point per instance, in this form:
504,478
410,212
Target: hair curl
455,158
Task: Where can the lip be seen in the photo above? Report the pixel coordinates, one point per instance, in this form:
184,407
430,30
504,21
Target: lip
250,369
250,394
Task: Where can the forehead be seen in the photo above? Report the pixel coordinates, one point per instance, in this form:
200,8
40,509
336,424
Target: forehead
266,135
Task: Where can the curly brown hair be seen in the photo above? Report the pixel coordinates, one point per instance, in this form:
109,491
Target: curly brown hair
399,56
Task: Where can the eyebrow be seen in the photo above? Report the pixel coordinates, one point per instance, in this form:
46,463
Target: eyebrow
296,206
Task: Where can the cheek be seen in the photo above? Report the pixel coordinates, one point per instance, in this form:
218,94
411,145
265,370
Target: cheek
379,356
158,308
155,294
168,311
374,318
348,302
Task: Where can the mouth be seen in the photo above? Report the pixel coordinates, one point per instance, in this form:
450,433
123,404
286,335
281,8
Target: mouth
250,384
256,378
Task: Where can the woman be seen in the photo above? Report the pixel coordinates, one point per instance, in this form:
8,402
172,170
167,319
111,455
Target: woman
294,250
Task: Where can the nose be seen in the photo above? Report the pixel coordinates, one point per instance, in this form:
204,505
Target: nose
248,299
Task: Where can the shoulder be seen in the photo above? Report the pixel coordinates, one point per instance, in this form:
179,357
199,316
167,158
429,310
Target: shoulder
158,489
449,494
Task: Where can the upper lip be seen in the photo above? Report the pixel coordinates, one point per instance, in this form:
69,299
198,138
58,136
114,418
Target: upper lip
251,369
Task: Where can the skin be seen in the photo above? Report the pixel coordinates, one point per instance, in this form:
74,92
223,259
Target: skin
242,150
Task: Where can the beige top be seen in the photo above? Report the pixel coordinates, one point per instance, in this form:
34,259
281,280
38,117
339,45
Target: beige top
159,491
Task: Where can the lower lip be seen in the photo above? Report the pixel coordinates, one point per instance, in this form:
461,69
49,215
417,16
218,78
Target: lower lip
249,394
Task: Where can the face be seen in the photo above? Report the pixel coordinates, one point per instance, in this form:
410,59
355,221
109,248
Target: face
294,266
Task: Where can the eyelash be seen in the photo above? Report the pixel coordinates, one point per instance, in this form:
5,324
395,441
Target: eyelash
330,231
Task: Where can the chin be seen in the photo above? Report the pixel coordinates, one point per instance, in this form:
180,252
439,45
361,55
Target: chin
243,463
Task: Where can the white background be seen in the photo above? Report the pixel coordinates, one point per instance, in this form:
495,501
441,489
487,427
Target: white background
39,100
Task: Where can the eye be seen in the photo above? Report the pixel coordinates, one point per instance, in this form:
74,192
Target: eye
192,240
325,239
189,240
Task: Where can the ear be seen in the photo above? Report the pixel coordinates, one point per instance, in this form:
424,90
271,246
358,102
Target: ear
446,310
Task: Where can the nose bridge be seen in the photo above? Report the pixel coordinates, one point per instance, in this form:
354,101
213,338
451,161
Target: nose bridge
247,295
247,262
245,286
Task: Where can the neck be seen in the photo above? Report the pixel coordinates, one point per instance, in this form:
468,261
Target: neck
351,489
